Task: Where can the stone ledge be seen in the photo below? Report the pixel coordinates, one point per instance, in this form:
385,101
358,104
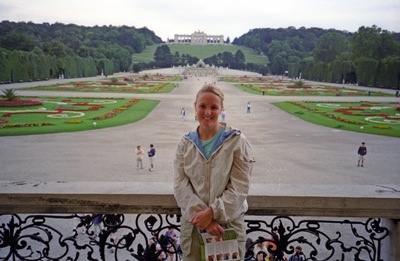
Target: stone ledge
156,197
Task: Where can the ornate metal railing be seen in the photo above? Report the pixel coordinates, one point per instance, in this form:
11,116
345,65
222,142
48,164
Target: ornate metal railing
142,237
319,239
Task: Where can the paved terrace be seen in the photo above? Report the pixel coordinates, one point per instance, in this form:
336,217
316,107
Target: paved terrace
293,157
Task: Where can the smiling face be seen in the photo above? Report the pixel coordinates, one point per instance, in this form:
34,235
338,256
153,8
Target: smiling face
208,107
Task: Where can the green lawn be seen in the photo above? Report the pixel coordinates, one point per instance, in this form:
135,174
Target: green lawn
72,114
201,52
367,117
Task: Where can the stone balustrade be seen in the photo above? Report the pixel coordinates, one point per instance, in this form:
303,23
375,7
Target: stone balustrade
373,201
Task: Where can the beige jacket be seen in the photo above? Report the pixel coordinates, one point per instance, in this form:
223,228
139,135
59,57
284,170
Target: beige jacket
221,182
139,154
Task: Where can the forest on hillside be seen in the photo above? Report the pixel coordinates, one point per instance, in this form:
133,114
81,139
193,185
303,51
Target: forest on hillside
29,52
370,56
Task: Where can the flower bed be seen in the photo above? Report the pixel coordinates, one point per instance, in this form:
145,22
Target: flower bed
74,121
382,127
115,112
65,114
114,83
160,87
20,125
333,116
2,121
299,86
330,115
19,103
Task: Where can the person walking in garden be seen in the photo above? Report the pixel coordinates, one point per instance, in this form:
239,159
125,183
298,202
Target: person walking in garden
183,113
151,153
362,151
248,107
139,157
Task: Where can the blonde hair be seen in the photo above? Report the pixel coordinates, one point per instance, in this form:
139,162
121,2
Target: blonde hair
213,89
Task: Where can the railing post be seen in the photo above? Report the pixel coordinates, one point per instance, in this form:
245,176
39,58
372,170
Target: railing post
395,239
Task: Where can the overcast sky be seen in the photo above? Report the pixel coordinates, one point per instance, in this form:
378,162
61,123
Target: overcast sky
231,18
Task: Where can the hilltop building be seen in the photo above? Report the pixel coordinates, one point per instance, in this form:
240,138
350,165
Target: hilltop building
198,38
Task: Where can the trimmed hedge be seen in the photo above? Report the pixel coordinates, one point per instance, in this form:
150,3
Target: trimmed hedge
369,72
21,66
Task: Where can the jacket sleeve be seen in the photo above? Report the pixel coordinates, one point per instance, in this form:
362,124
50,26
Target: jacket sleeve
184,194
233,201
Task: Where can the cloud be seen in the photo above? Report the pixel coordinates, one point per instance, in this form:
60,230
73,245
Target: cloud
230,18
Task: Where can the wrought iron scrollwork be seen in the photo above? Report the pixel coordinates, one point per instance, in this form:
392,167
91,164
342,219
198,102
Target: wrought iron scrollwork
143,237
319,239
74,237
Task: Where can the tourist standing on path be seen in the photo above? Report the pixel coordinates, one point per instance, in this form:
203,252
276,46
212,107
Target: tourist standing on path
139,157
362,151
223,114
248,107
212,166
151,153
183,113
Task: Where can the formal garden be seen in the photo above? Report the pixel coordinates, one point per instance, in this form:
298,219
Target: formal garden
381,118
137,84
279,87
42,115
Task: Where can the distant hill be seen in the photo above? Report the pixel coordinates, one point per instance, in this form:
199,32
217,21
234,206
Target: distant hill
201,52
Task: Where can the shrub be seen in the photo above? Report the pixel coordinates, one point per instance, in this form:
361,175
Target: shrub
9,94
299,83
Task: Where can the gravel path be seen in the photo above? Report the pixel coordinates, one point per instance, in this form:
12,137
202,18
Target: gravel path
287,149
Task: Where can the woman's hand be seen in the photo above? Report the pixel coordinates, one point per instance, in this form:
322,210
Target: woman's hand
203,218
215,229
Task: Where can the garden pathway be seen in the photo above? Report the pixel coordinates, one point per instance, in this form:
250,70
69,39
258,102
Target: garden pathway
288,150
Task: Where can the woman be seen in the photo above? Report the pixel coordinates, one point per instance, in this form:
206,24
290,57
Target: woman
212,176
139,157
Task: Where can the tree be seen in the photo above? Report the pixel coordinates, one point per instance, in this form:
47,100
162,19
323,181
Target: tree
161,52
364,42
279,64
163,56
177,59
330,46
17,41
30,51
56,48
239,59
228,59
387,45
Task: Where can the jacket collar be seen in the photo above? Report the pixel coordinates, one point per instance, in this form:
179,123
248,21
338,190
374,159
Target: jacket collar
194,137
